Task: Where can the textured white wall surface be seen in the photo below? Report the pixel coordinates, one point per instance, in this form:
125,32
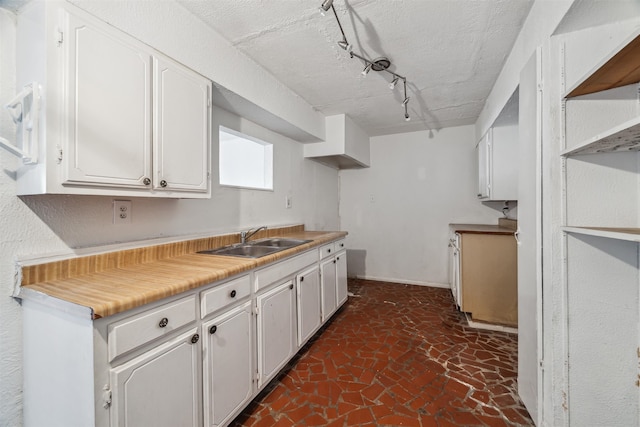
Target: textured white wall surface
542,20
398,211
21,231
39,226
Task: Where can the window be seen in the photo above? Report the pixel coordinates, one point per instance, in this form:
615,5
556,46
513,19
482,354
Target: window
245,161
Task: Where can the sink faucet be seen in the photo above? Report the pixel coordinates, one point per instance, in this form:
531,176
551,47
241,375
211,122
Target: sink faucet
246,235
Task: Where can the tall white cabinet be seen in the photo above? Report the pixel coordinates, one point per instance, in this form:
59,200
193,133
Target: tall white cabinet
600,223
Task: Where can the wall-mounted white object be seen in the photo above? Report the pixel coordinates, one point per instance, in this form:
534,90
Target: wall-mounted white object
346,145
25,111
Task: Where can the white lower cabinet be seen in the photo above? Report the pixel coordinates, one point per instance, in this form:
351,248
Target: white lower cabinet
308,294
341,277
160,387
276,331
328,281
333,278
194,359
228,364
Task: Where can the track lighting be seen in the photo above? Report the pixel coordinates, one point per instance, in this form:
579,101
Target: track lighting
345,45
378,64
326,5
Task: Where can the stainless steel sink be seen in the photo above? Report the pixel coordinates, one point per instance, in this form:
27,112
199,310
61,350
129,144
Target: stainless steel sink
246,250
256,249
279,242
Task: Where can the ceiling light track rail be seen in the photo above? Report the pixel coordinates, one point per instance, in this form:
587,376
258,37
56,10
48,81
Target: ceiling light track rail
378,64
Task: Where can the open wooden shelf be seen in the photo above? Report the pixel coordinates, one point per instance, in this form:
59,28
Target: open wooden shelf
620,69
619,233
622,138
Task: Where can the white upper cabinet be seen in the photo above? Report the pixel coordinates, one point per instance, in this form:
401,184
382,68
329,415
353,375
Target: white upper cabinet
120,118
181,127
483,166
109,108
498,164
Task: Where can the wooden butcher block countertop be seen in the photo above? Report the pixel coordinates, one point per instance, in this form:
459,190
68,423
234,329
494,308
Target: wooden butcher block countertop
505,226
111,283
481,229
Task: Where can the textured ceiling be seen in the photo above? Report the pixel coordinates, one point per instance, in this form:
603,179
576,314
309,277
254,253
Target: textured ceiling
451,52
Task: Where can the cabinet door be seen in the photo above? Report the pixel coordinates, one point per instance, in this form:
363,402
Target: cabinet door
484,156
108,105
181,127
328,285
276,330
455,269
228,365
308,293
341,277
160,387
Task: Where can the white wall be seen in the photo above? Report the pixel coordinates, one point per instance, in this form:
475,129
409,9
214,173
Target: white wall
37,226
398,211
542,20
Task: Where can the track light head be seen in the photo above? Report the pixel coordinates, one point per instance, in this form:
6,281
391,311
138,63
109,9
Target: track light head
407,117
394,82
326,5
345,45
367,69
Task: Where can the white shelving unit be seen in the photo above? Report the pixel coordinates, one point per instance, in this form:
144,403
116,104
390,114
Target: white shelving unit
621,138
601,226
628,234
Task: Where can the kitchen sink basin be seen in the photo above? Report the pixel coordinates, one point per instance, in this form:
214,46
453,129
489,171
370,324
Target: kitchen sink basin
256,249
248,251
279,242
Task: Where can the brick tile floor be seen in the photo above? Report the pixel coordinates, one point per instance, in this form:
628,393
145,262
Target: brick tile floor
396,355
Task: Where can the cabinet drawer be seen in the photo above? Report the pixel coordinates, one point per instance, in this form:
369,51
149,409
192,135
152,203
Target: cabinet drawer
326,250
223,295
283,269
140,329
339,245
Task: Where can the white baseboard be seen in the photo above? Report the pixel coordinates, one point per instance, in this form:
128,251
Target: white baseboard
404,281
490,326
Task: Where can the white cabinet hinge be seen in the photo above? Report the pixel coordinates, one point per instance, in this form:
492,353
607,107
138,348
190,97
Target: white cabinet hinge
256,310
106,397
60,37
59,159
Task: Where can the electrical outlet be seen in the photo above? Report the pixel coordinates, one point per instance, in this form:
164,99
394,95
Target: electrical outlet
288,202
122,211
